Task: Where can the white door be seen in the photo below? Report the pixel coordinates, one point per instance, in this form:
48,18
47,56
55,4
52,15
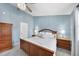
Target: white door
23,30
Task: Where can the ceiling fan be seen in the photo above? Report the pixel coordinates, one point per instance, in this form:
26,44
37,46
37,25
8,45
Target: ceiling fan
77,5
24,6
28,7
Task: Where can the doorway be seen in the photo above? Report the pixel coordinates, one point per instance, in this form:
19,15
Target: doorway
23,30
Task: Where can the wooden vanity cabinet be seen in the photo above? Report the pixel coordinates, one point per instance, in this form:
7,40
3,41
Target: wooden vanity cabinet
34,50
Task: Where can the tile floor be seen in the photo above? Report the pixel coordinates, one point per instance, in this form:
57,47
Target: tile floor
13,52
16,51
63,52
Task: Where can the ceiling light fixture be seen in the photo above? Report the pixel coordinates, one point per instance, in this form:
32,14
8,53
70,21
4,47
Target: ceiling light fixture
3,13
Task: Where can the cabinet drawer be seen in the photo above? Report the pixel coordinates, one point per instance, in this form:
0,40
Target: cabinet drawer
63,42
63,46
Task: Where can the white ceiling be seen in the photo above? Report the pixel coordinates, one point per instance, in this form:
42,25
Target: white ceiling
45,9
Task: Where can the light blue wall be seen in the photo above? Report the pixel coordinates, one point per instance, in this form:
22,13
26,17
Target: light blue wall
54,23
15,17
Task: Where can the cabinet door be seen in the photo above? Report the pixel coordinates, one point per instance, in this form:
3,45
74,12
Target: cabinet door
27,47
24,46
43,52
34,50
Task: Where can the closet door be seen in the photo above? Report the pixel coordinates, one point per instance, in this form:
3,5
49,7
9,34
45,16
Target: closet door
6,36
